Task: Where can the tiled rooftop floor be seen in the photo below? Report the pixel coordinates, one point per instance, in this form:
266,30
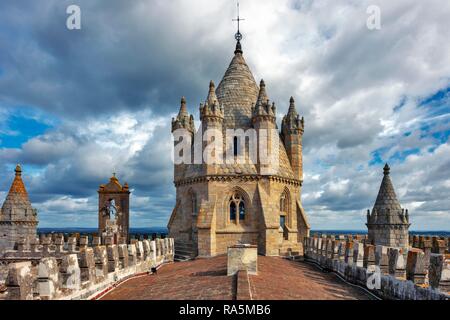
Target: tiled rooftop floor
277,279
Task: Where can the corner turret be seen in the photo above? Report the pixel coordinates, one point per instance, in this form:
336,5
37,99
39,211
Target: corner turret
388,223
183,119
292,129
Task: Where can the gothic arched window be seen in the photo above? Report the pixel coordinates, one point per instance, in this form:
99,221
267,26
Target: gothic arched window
284,211
232,211
237,203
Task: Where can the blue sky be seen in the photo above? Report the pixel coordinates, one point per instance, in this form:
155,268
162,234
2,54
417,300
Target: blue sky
77,105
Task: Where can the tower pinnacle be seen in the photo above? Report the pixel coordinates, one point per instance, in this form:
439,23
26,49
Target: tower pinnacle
238,36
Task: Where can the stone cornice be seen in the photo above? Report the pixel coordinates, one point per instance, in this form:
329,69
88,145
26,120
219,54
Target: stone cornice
242,177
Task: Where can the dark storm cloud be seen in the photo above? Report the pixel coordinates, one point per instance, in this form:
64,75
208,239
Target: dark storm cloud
127,56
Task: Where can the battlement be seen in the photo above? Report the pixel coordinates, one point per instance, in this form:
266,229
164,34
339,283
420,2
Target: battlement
405,273
51,269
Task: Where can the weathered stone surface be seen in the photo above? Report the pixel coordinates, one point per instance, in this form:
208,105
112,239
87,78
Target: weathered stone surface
369,255
87,264
242,257
70,272
132,256
388,223
358,253
113,258
101,262
382,259
397,262
20,281
416,266
123,256
48,278
439,272
18,219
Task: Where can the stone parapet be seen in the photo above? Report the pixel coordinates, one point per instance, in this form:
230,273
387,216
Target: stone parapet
80,273
390,273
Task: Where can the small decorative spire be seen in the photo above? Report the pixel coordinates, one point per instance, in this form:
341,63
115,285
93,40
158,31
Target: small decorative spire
211,99
292,105
183,109
262,96
386,169
238,35
18,170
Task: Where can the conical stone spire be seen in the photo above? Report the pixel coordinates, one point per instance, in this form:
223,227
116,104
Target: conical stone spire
262,96
386,199
388,224
183,119
212,98
18,219
183,109
237,92
292,112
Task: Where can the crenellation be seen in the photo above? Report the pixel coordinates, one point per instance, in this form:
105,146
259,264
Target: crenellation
358,253
86,262
132,255
416,270
65,275
396,261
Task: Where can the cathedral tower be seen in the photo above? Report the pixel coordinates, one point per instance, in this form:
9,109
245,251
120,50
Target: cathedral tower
222,204
292,129
18,219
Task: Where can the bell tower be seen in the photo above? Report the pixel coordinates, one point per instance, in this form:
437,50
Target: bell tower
114,203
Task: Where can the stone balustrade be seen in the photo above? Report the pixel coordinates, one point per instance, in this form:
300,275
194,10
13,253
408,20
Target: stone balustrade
75,270
406,274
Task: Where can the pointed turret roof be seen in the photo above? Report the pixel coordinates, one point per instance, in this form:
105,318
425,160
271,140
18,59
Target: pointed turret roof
212,98
387,199
18,187
237,91
292,112
17,205
183,109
